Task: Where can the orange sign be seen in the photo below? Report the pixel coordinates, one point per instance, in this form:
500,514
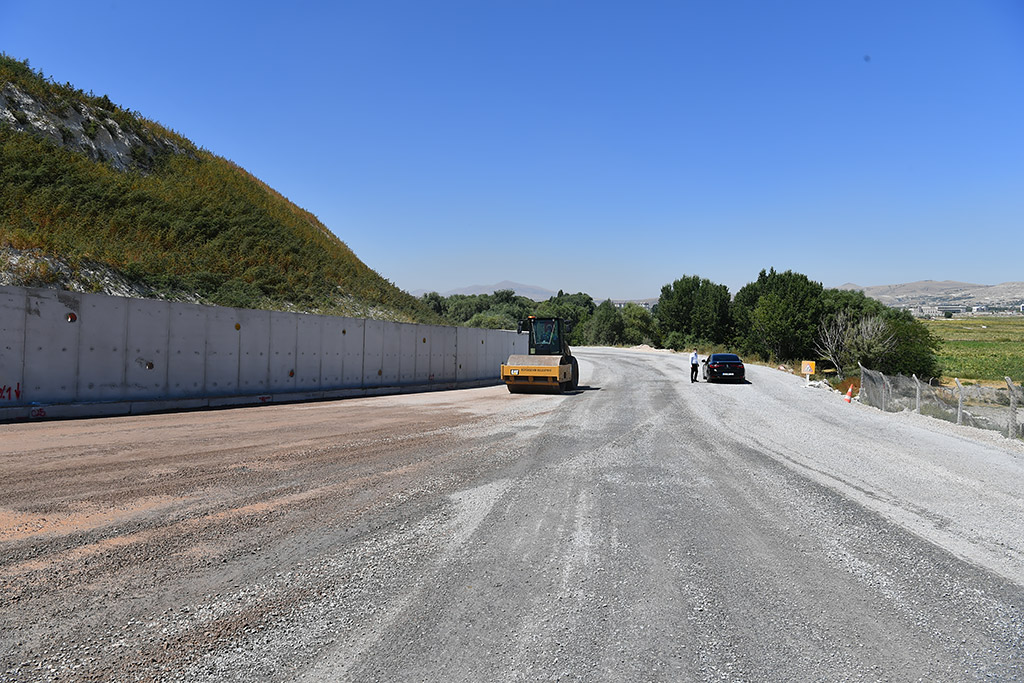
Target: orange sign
808,367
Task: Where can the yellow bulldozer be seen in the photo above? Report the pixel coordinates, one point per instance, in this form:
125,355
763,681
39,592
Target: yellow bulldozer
549,367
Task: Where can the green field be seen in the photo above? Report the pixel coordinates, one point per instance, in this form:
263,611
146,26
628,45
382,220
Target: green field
982,348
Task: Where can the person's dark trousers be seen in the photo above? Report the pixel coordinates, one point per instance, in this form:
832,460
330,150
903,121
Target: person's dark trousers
693,373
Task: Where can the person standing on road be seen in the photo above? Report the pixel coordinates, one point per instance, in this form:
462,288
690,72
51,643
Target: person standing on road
694,364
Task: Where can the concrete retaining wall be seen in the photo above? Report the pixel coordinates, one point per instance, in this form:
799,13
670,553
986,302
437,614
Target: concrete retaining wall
67,354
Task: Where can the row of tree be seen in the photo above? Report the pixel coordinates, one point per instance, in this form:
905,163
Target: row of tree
786,316
778,317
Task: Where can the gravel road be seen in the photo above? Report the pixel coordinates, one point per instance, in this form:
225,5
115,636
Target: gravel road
642,528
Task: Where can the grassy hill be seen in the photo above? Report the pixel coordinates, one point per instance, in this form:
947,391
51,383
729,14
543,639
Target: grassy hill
92,194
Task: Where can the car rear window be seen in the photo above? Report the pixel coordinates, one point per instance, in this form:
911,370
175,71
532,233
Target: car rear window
725,358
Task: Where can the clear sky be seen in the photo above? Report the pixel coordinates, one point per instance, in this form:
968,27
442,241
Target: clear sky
605,147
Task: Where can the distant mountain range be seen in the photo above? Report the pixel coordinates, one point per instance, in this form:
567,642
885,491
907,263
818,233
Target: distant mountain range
933,293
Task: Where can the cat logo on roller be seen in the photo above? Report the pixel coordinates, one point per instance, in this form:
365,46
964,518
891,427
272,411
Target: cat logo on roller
549,367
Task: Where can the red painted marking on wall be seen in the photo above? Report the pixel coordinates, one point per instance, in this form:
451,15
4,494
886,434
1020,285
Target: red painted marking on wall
37,412
264,399
7,393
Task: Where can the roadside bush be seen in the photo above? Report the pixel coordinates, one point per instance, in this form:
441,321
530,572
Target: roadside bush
679,342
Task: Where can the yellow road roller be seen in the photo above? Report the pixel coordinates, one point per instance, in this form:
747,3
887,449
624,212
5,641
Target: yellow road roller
549,367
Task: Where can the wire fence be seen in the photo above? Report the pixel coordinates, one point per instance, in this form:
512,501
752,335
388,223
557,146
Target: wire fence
992,408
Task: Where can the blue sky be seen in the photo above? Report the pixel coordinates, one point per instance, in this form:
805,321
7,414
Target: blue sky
605,147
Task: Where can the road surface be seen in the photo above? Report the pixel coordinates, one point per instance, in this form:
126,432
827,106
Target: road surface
643,528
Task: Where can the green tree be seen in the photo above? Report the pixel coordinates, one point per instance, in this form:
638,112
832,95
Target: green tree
462,307
769,326
502,297
914,348
694,308
575,309
850,329
638,326
785,324
436,303
490,320
605,327
869,340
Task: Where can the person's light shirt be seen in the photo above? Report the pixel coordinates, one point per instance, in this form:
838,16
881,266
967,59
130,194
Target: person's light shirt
693,359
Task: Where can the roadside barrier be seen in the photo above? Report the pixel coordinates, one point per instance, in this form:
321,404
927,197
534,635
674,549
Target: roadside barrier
69,354
992,408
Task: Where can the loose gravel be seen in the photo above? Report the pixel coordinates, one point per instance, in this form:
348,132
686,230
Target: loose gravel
641,528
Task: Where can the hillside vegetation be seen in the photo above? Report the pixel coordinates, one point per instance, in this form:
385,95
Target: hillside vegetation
89,185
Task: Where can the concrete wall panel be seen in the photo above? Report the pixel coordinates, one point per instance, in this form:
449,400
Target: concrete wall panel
332,353
12,346
253,351
407,353
478,345
491,348
488,352
442,361
283,341
352,334
471,354
498,345
51,348
438,350
505,348
145,358
463,353
391,359
373,353
186,355
471,346
308,352
514,344
223,340
101,347
422,340
518,343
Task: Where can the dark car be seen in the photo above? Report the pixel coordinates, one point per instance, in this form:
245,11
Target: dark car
726,366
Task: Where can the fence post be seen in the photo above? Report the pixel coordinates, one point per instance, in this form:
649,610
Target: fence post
863,396
960,401
1011,425
917,383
